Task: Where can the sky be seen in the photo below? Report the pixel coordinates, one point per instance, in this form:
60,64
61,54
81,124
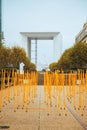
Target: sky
64,16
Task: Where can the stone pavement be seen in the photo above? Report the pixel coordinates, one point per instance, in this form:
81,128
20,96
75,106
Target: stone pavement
39,117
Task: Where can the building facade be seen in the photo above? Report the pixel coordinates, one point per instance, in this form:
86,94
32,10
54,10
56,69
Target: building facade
82,35
56,37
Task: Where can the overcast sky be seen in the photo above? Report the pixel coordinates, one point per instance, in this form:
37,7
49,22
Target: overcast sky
64,16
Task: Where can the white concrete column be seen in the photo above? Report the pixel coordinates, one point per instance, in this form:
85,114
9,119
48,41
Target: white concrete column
36,52
29,48
57,47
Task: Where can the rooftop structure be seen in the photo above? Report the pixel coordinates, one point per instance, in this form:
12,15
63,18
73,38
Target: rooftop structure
82,35
40,35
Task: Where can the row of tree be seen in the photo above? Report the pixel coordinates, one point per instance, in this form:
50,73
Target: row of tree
12,57
72,58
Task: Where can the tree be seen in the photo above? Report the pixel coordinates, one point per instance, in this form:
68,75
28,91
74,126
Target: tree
72,58
4,56
12,57
18,55
53,66
79,55
1,43
29,66
32,66
65,60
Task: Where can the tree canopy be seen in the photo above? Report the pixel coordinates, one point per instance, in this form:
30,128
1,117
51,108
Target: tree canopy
72,58
12,57
79,55
53,66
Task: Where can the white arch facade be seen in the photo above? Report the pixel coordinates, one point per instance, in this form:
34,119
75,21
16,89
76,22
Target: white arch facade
55,36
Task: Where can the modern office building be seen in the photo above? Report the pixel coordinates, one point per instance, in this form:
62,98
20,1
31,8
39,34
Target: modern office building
56,37
82,35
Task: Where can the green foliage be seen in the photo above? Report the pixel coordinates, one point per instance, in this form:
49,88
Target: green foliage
72,58
79,55
18,55
13,57
65,60
30,67
1,43
4,56
53,66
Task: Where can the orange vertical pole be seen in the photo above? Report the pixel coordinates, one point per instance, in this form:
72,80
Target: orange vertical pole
1,93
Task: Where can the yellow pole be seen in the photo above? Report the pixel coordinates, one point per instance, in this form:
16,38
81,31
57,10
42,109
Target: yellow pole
86,80
8,95
1,93
15,92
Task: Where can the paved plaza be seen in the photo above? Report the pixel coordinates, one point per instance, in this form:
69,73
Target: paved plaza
41,117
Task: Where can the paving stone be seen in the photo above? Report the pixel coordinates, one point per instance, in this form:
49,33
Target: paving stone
39,117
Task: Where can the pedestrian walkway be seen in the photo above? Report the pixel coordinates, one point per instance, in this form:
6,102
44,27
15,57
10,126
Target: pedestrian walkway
40,116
